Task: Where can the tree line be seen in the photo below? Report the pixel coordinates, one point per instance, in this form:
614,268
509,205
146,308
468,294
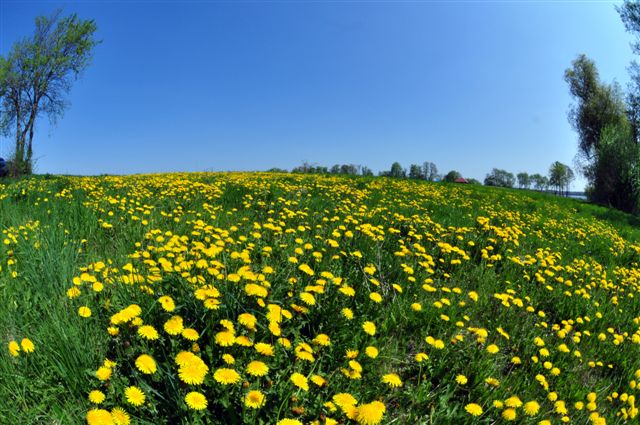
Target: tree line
559,178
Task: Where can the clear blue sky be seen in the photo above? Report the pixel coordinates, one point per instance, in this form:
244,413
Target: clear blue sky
251,85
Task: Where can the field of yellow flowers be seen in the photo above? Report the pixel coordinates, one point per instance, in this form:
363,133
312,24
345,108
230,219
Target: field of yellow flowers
258,298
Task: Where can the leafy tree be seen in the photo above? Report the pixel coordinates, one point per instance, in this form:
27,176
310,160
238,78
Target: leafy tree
38,73
560,177
597,105
415,172
397,170
473,181
630,14
335,169
501,178
523,180
430,171
366,171
617,175
452,176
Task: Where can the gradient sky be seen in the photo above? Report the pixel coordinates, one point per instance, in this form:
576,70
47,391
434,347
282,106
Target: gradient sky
208,85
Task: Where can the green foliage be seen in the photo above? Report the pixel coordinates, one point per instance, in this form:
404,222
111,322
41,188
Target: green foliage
451,176
37,74
560,177
500,178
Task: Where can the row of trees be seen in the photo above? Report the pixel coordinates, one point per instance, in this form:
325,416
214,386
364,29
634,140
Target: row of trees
559,179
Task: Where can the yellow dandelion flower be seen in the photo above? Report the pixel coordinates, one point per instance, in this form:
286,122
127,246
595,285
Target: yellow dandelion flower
257,368
225,338
509,414
392,380
99,417
300,381
190,334
14,348
344,399
96,397
371,413
85,312
193,371
120,416
146,364
167,303
369,328
461,379
493,349
196,400
264,349
318,380
148,332
531,408
473,409
134,395
254,399
347,313
371,352
289,422
27,345
226,376
103,373
174,325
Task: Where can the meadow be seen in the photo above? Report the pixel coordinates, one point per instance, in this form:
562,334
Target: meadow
264,298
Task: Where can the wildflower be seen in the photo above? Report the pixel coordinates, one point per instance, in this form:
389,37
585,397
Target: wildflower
96,397
369,328
318,380
27,345
174,325
264,349
135,396
120,416
371,352
509,414
257,368
493,349
300,381
167,303
103,373
85,312
196,400
148,332
226,376
513,401
392,380
344,399
473,409
190,334
193,370
371,413
531,408
347,313
146,364
289,422
14,348
99,417
461,379
420,357
254,399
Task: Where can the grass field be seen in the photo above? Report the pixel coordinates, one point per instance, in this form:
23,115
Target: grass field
273,298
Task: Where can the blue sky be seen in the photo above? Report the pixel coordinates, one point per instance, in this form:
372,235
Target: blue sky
207,85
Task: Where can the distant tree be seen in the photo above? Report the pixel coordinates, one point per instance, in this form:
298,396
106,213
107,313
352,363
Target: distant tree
415,172
366,171
560,177
430,171
523,180
537,180
501,178
349,169
36,76
276,170
630,14
397,171
473,181
384,173
335,169
451,176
